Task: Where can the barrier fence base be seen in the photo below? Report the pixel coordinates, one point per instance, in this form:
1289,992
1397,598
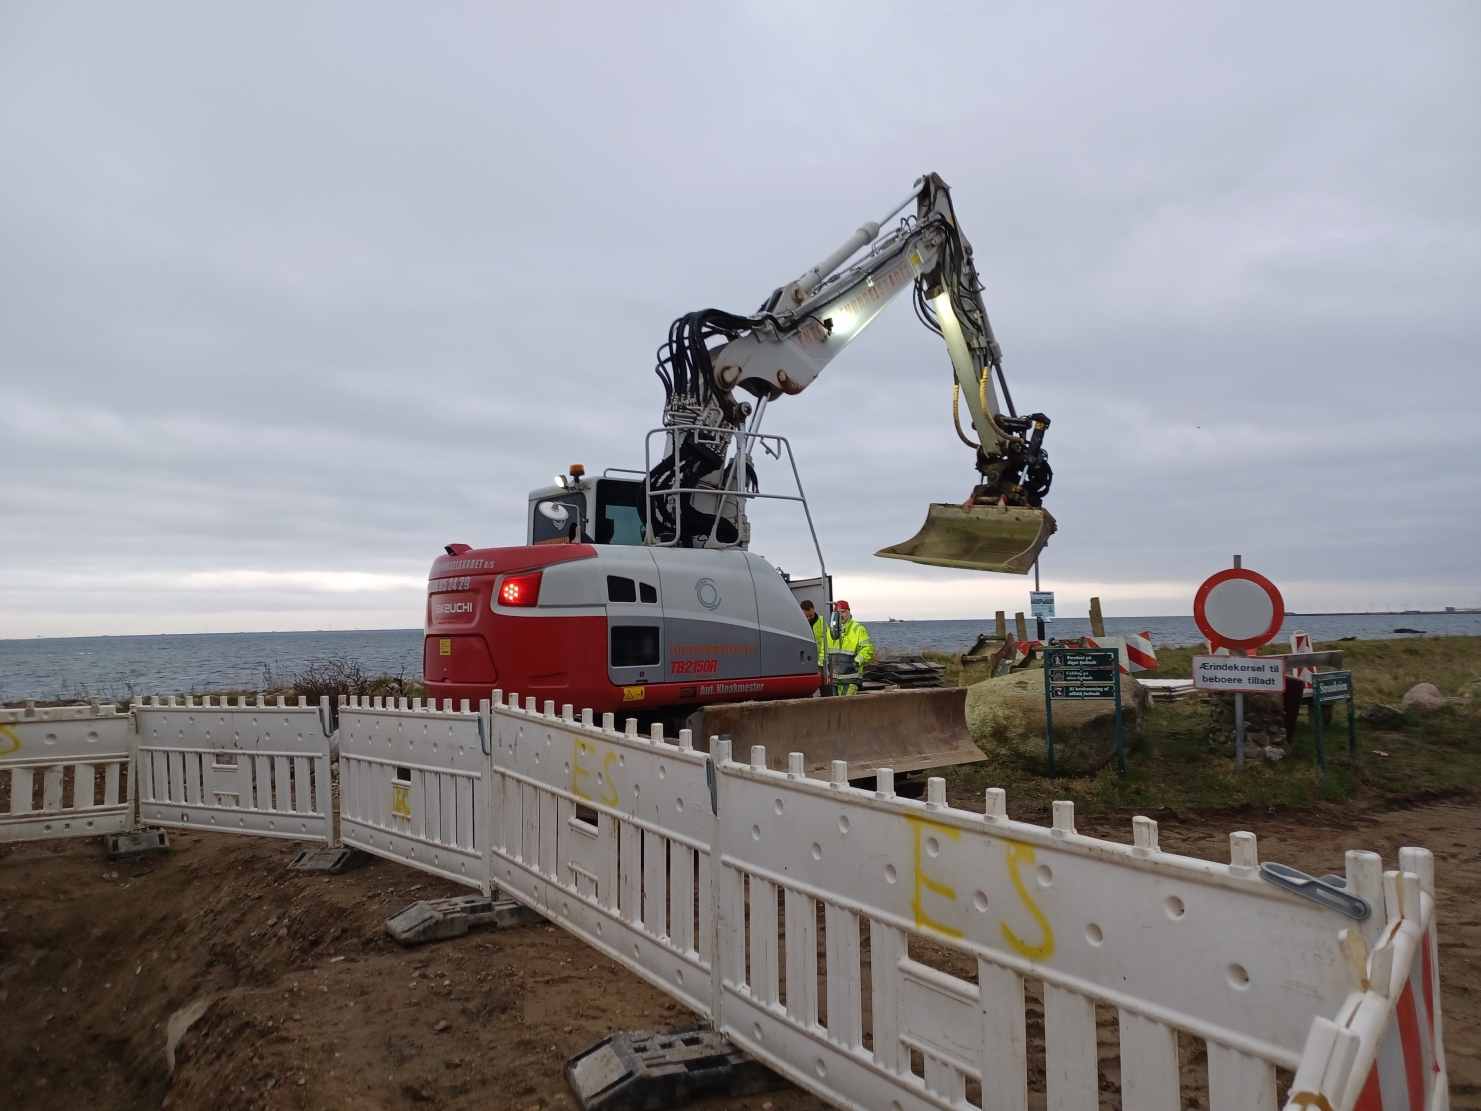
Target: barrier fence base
329,862
440,919
139,842
652,1070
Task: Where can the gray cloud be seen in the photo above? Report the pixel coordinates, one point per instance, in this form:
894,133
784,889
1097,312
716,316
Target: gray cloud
307,292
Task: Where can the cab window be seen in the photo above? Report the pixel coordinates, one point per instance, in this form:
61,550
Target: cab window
555,518
619,519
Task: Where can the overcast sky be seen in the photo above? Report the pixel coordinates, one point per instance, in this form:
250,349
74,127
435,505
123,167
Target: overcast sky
292,295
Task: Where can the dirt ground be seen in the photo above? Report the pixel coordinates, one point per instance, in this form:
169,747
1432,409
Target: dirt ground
312,1006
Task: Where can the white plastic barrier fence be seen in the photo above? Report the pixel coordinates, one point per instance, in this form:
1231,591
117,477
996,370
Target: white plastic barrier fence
609,834
414,785
235,766
64,772
1169,944
1384,1050
887,952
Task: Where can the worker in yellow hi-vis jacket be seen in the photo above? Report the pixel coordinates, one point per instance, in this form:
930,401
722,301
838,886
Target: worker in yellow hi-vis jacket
819,628
844,634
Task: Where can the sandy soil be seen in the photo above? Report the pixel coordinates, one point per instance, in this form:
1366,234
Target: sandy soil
312,1006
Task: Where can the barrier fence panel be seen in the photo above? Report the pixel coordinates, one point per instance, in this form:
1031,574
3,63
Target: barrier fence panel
1384,1050
235,766
609,835
413,785
64,772
889,952
937,923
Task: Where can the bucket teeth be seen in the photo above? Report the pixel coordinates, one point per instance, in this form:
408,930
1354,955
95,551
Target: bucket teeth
1002,538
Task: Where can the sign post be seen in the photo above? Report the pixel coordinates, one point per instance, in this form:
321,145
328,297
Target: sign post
1326,687
1076,674
1239,610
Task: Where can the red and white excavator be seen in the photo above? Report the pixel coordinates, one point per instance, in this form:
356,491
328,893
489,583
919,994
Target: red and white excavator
636,592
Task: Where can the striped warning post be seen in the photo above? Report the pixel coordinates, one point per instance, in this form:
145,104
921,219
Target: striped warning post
1140,654
1384,1050
1402,1076
1135,652
1301,642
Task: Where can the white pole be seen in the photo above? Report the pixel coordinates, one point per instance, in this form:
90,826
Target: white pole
1239,730
1238,712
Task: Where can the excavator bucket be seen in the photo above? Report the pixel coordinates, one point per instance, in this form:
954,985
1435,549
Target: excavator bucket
1006,538
904,730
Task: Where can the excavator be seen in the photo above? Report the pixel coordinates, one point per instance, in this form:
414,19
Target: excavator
636,592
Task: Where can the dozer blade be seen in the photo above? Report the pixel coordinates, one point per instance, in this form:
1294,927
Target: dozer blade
903,730
1006,538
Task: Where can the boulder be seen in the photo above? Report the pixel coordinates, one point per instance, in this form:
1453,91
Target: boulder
1424,697
1376,713
1005,716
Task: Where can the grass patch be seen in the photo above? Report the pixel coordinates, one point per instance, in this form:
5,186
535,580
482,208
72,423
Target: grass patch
1174,765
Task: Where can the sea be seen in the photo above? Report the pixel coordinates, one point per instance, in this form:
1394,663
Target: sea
119,667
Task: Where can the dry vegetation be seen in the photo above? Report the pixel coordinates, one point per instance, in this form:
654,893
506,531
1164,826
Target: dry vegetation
1175,767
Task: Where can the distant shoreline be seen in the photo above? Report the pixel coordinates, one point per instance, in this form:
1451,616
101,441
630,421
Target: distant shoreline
873,620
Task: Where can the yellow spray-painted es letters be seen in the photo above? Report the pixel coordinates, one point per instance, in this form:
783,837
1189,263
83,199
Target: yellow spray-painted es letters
1019,853
401,801
924,883
578,773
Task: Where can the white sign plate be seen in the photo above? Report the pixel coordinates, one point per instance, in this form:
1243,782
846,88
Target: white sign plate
1238,673
1041,603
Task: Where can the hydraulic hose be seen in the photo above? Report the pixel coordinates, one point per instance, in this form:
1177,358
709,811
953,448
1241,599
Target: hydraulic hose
956,390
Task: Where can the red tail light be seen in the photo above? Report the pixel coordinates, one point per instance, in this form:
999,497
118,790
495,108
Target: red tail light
520,590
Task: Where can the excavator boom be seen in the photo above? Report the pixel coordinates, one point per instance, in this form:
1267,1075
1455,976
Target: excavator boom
802,326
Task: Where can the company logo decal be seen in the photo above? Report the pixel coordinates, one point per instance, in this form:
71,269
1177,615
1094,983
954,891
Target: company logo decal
707,593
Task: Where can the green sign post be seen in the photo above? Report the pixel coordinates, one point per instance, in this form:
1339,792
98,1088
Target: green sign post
1075,674
1328,687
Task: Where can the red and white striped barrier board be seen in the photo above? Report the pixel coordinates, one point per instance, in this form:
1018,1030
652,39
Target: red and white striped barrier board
1135,652
1384,1051
1140,654
1301,642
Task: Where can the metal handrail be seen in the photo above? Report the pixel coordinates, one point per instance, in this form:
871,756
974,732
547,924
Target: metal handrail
749,438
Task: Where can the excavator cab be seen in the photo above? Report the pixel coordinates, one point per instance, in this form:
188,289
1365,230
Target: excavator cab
578,510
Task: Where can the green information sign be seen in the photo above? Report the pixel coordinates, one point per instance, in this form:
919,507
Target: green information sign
1105,675
1328,687
1078,674
1081,691
1331,686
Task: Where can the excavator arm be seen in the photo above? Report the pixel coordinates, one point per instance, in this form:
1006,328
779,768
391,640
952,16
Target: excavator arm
803,325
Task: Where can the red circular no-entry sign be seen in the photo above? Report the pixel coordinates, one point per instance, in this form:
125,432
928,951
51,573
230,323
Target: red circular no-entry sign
1238,609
